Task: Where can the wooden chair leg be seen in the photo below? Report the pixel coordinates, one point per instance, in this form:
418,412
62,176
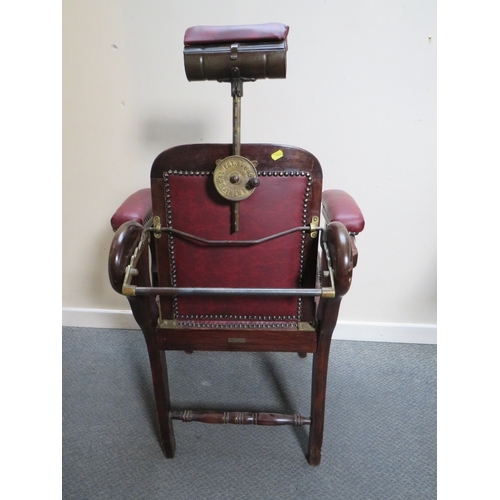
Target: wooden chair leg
162,397
318,399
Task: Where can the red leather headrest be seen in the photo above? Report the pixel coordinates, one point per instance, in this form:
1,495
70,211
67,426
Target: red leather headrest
203,35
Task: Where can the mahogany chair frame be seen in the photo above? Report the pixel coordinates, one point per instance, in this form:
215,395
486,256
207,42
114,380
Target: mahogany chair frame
134,261
311,266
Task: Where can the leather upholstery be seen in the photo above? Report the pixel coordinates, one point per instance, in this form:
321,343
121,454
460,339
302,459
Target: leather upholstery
340,206
201,35
288,197
137,207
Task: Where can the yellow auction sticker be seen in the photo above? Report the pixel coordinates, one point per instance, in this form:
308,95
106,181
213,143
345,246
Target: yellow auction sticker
277,155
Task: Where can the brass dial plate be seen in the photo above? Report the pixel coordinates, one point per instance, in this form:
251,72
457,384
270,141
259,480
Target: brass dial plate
233,177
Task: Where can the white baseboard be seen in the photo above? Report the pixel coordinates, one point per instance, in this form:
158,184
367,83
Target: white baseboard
99,318
412,333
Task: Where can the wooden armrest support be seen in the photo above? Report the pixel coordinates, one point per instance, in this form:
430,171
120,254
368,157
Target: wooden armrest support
125,242
137,207
123,245
339,245
340,206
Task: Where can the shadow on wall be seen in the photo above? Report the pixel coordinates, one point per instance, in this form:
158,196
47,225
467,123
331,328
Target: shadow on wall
161,134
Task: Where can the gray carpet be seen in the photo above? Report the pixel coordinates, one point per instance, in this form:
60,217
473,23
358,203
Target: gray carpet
380,429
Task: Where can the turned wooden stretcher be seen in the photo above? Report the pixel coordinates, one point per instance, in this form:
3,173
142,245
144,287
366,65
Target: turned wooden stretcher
225,250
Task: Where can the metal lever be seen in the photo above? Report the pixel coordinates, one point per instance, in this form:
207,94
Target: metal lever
253,182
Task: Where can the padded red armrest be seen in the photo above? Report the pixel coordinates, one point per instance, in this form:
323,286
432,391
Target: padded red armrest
137,207
203,35
340,206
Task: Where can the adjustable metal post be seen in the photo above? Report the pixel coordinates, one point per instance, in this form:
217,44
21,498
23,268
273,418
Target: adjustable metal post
236,124
237,93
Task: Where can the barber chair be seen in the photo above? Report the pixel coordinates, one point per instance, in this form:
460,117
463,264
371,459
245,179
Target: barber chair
225,251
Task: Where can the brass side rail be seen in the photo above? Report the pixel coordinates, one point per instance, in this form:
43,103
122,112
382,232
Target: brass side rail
132,290
283,292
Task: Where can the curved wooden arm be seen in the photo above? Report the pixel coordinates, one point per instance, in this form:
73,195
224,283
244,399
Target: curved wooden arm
122,248
340,247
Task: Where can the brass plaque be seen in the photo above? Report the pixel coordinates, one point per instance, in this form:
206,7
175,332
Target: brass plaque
235,178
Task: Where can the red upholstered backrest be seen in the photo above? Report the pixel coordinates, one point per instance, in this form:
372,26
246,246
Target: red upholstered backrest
185,198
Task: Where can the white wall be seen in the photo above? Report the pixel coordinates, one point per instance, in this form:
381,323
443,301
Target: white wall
360,94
